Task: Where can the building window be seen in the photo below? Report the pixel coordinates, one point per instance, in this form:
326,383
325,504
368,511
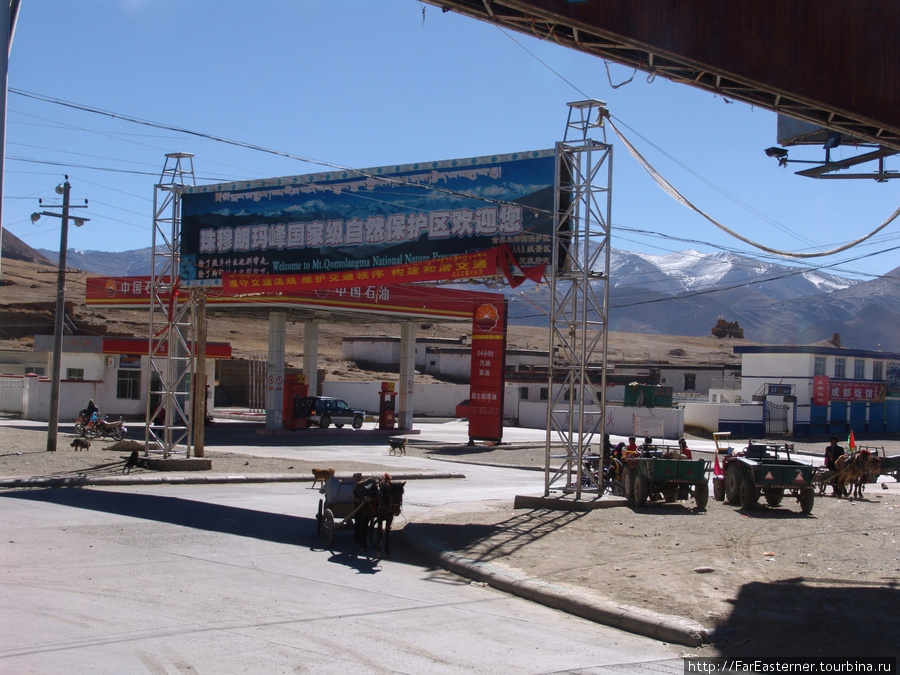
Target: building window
840,367
35,371
819,366
523,393
877,370
544,393
690,381
74,373
859,369
128,384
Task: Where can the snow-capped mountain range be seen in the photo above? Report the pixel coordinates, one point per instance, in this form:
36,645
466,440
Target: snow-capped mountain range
684,293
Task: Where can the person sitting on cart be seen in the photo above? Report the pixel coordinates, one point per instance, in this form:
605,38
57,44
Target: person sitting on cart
647,448
682,445
631,450
832,452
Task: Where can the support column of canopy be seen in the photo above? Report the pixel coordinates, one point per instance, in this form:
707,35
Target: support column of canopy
275,371
311,355
407,375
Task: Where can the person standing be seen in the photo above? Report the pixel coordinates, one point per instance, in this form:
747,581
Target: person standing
832,452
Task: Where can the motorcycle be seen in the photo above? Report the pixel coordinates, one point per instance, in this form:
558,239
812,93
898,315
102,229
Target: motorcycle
80,424
101,428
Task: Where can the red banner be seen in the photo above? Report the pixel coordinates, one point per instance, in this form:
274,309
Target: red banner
820,390
826,391
485,263
856,390
488,374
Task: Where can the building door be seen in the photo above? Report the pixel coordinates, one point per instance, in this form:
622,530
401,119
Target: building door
776,419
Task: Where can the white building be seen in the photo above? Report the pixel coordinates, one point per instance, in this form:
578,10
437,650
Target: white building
805,389
111,371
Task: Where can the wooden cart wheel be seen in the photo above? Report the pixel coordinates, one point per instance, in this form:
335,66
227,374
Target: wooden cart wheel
641,490
701,495
807,499
718,488
327,528
748,493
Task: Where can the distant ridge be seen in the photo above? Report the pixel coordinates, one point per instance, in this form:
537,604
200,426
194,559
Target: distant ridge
16,249
683,293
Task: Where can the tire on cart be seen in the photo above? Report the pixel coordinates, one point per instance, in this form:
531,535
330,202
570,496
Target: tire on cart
807,499
748,493
641,490
773,496
733,484
701,495
628,484
328,528
719,488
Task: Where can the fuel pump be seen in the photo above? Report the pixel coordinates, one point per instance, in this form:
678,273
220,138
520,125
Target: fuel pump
295,392
387,399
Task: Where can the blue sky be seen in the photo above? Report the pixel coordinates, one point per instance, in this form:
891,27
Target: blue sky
356,83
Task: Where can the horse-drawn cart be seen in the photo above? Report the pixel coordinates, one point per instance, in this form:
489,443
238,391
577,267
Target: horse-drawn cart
668,478
368,505
338,509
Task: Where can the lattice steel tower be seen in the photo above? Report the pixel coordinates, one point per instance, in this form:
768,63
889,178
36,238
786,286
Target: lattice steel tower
172,319
579,291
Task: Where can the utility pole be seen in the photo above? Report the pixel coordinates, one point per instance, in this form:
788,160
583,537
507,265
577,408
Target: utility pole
53,416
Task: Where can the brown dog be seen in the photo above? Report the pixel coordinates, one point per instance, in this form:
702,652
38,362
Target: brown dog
321,475
81,444
398,446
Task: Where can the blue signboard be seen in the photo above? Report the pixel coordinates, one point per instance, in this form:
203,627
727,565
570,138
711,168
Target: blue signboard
369,218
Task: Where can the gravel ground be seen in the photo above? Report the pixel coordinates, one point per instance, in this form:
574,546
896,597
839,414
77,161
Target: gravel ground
764,582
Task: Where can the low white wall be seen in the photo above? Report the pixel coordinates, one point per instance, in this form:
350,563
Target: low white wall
712,416
620,420
703,415
432,400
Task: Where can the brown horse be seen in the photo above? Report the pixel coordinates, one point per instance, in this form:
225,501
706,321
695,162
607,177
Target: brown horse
855,470
378,501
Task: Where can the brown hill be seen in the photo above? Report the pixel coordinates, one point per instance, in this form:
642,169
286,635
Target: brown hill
28,297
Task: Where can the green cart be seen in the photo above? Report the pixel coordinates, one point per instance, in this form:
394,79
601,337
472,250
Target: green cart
766,469
648,479
890,466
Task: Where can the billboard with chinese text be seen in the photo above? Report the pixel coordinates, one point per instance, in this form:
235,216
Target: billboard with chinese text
354,220
826,390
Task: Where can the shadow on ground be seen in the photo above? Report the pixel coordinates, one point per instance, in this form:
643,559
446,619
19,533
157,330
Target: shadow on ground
805,618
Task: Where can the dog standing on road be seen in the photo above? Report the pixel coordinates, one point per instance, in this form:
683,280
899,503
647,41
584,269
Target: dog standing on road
398,446
321,475
81,444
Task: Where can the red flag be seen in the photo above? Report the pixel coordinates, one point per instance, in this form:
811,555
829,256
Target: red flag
717,470
851,441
